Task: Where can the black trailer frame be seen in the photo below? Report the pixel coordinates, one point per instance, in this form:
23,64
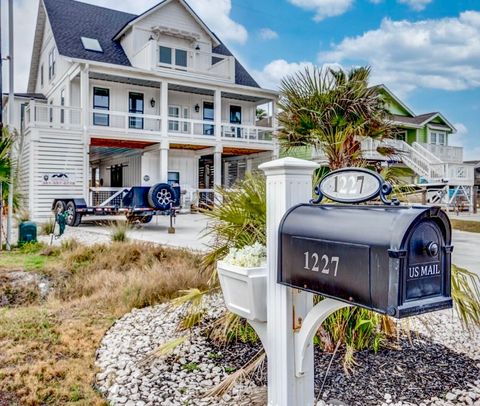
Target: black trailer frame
139,204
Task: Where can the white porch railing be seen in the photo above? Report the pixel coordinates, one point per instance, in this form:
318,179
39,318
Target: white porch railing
445,153
120,120
246,133
64,117
52,116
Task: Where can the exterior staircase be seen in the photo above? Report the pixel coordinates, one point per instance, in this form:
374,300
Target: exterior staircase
423,162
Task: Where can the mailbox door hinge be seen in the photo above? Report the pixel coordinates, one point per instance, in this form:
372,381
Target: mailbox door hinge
448,249
397,253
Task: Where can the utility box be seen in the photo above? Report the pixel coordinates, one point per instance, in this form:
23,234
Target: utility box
395,260
27,232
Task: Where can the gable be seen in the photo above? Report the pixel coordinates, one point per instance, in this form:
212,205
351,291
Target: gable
174,14
393,104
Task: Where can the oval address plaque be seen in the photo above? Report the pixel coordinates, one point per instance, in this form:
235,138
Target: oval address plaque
353,185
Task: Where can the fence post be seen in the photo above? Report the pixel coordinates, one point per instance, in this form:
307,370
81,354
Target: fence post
289,182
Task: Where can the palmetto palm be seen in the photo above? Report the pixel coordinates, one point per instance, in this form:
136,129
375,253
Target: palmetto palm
331,110
6,143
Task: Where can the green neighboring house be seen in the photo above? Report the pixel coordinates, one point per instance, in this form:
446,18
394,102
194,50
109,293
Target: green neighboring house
422,142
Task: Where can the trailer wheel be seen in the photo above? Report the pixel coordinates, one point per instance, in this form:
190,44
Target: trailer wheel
146,219
73,218
160,196
60,207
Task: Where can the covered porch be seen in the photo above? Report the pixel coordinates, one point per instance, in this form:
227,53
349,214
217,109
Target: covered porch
117,165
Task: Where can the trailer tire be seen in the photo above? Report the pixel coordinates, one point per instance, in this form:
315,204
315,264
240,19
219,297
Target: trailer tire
161,196
73,218
146,219
59,207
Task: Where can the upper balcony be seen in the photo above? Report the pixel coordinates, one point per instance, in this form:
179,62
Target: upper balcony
133,126
185,62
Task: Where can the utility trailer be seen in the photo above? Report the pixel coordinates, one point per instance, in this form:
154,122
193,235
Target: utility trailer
138,204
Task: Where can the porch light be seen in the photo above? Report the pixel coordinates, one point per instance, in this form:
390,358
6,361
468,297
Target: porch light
197,48
197,108
152,102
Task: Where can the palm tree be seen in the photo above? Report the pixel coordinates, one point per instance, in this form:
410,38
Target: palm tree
261,114
331,110
6,143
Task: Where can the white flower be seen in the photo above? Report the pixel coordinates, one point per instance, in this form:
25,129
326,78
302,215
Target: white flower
250,256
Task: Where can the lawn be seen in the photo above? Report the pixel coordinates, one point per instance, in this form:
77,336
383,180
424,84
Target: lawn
466,225
48,346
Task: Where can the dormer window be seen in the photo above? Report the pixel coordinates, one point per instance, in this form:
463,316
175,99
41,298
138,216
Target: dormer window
171,56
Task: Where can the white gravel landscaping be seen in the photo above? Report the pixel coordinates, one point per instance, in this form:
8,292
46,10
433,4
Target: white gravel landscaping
193,368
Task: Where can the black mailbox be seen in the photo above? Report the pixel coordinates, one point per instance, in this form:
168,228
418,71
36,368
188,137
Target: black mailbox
395,260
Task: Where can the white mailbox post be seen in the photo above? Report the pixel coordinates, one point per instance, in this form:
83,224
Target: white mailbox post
289,182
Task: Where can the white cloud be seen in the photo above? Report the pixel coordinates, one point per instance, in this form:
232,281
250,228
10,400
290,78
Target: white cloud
215,13
324,8
267,33
273,73
440,54
459,138
417,5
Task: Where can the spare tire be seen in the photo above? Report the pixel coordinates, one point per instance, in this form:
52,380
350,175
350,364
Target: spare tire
161,196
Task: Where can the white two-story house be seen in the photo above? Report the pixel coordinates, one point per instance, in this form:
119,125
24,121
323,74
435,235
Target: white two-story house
116,100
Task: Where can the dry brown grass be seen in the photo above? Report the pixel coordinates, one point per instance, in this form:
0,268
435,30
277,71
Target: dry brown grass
48,350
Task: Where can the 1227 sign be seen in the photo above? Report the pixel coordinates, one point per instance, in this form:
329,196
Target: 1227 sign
324,264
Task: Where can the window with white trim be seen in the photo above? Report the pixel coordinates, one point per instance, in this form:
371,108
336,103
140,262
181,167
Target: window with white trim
174,112
438,137
172,56
52,57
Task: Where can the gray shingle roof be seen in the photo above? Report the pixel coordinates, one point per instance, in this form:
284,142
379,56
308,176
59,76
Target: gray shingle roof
417,120
70,20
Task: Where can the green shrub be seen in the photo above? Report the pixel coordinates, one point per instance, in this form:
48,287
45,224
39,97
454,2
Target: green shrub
119,231
48,227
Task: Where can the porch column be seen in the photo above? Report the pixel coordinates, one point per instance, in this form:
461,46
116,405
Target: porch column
218,114
217,166
85,113
249,165
164,109
164,147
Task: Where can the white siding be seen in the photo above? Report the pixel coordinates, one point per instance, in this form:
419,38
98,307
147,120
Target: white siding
24,172
56,152
61,65
186,163
131,170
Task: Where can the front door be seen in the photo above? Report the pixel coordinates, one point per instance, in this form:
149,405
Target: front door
116,176
208,115
236,118
136,106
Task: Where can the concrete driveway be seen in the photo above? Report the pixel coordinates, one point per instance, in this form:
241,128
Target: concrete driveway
188,230
466,251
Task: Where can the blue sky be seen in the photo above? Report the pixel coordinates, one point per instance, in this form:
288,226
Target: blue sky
426,51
